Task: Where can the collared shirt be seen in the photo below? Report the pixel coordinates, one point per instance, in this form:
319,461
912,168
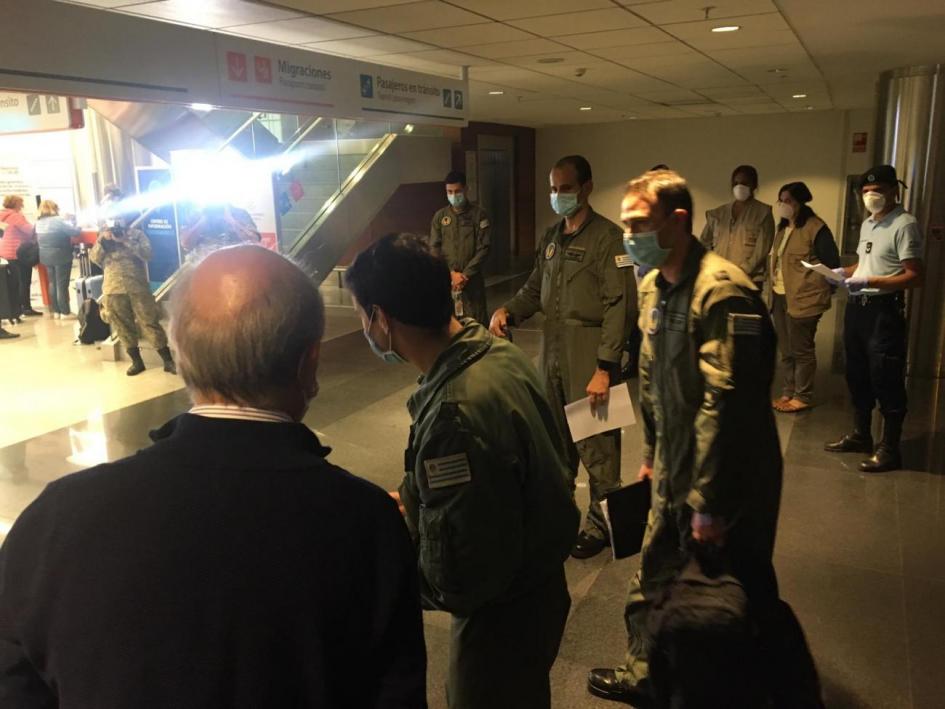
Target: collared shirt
239,413
887,242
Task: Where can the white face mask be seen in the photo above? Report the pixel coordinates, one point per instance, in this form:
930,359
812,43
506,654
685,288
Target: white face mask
784,211
741,192
875,202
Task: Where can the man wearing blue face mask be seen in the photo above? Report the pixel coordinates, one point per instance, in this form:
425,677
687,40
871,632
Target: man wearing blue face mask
460,233
485,489
583,284
710,442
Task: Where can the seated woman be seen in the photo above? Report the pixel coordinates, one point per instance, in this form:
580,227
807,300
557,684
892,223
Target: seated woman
797,295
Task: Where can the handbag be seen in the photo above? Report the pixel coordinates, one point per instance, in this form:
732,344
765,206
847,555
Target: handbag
28,253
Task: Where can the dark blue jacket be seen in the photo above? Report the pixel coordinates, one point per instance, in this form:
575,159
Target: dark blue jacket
229,565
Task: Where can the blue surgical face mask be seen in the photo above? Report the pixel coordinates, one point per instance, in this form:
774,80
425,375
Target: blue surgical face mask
457,199
564,203
389,356
644,248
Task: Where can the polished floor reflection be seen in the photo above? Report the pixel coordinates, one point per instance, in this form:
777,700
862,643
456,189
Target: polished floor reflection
861,558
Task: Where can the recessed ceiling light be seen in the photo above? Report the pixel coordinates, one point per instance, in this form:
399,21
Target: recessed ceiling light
585,108
776,71
408,128
496,93
810,108
727,28
799,96
550,60
201,106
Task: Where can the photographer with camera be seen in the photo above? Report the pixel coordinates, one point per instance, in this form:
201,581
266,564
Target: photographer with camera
128,306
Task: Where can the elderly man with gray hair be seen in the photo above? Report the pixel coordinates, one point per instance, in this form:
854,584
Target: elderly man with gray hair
229,564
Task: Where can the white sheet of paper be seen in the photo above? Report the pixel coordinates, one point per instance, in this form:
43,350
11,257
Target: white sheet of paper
616,413
823,271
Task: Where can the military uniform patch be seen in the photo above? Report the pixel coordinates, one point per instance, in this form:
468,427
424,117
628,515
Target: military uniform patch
550,251
447,220
447,471
744,324
574,253
653,321
623,261
484,224
869,247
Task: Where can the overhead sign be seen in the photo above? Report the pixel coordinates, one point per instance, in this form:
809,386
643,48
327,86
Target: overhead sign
270,77
209,68
36,113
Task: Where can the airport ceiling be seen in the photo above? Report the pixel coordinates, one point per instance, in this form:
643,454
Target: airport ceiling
547,62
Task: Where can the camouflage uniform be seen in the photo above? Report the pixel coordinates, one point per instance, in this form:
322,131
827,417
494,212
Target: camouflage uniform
706,367
583,283
487,502
127,303
463,239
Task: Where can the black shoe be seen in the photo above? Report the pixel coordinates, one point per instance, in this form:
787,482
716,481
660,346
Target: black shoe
587,546
882,461
4,335
30,313
169,365
604,683
851,443
137,364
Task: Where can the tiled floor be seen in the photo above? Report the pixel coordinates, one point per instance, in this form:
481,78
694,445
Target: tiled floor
860,558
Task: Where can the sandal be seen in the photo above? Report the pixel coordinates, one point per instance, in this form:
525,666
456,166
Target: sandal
795,406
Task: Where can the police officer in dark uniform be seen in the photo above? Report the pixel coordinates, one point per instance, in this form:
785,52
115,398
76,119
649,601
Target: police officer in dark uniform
874,332
460,232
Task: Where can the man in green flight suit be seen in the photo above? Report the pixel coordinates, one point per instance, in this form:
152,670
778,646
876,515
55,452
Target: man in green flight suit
583,283
710,442
485,493
460,233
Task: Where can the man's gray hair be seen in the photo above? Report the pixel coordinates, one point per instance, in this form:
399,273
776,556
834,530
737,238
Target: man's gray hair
249,356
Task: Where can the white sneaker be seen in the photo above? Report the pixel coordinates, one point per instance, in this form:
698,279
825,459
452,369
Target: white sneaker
57,316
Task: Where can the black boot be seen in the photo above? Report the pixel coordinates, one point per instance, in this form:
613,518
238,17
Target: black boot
887,456
137,364
169,365
860,441
605,684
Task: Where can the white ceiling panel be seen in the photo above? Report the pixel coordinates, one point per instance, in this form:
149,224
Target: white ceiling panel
416,62
210,13
577,22
549,62
662,13
728,94
455,59
369,46
756,31
632,52
768,57
710,109
516,9
324,7
615,38
501,50
471,35
413,17
673,95
104,4
301,30
758,108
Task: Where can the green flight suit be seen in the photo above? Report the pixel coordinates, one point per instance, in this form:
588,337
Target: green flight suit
487,502
127,303
463,239
706,367
584,285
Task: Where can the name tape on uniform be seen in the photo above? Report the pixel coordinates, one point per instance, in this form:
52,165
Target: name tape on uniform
745,324
623,261
448,471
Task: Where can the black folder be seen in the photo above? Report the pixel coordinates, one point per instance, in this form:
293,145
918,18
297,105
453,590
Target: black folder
626,512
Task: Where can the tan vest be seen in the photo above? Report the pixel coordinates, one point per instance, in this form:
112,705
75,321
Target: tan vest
807,293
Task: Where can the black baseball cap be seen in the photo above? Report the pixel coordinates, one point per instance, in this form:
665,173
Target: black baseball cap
880,175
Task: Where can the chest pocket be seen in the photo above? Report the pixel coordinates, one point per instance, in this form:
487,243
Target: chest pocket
750,235
576,259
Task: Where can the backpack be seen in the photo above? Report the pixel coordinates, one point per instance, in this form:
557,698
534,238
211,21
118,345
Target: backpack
92,328
703,652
